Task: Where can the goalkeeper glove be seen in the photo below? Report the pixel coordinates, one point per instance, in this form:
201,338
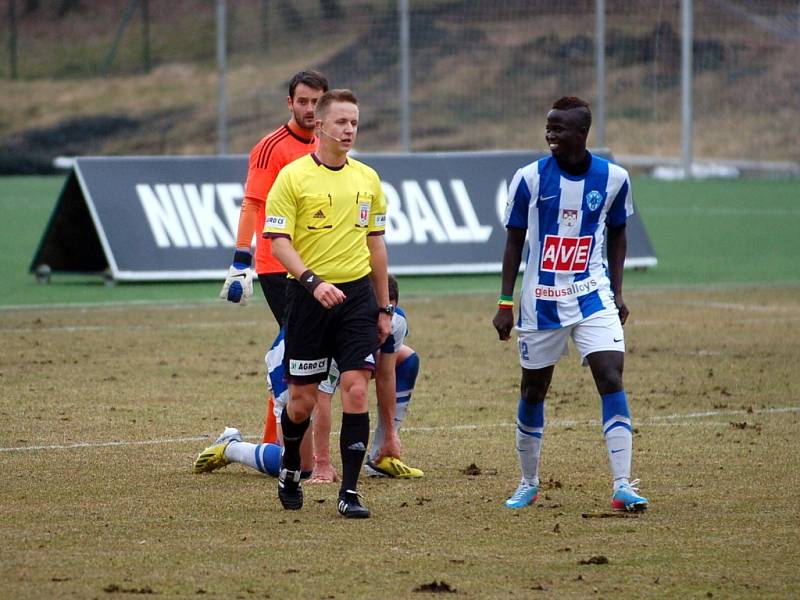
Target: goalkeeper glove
238,286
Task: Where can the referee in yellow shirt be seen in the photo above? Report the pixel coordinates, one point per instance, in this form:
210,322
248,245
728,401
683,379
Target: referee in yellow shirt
326,216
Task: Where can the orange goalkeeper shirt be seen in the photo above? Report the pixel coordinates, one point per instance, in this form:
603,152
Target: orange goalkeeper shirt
267,158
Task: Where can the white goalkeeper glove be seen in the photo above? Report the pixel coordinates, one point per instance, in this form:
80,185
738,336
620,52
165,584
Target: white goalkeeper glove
238,286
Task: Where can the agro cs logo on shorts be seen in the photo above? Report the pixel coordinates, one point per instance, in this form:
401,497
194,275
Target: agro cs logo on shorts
593,200
308,367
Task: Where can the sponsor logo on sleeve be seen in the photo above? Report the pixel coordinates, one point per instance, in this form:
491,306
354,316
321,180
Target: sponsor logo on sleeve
380,220
276,222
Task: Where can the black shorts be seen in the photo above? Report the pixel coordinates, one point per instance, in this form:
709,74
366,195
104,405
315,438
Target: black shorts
347,332
274,287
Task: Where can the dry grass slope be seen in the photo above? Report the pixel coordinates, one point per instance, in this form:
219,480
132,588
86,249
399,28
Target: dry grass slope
479,71
106,408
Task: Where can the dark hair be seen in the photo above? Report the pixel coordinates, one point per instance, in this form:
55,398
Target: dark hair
573,102
394,290
331,96
313,79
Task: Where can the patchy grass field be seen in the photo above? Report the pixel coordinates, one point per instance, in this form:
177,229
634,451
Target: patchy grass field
105,409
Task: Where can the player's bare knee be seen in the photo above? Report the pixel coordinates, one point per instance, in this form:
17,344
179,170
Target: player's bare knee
609,381
297,412
535,383
533,392
355,401
354,397
607,368
301,404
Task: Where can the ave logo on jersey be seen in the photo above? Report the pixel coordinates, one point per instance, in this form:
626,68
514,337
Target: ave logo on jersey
562,254
593,200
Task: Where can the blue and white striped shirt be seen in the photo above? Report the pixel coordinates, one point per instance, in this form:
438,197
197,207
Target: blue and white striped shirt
565,277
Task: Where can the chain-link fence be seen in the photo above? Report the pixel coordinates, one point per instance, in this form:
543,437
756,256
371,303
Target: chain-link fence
482,73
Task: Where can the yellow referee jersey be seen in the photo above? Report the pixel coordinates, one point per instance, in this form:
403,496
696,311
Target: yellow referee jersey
328,214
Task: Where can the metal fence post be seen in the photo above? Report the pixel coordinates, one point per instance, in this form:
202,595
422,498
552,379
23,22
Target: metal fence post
146,35
600,66
222,125
12,38
686,87
405,76
126,18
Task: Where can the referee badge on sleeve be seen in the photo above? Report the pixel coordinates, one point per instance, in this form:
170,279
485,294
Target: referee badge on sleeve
363,214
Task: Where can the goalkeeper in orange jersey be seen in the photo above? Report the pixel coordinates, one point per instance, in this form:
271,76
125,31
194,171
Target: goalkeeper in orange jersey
274,151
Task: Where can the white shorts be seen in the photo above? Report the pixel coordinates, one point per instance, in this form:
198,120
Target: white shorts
598,332
279,402
331,381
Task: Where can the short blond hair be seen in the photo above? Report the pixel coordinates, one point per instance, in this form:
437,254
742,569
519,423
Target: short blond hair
331,96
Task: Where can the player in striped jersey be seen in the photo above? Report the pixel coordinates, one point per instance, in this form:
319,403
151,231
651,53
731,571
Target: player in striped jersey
565,203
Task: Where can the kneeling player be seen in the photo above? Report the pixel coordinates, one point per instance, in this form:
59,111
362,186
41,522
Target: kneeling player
265,457
396,376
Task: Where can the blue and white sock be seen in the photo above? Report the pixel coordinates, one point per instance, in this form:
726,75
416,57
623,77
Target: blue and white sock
405,380
262,457
618,432
530,427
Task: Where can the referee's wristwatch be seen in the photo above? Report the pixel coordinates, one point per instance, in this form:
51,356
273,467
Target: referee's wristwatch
388,309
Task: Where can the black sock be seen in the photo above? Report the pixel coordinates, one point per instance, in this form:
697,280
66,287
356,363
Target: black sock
353,446
292,436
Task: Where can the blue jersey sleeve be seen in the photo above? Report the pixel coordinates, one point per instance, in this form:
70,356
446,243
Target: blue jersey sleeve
398,334
618,213
519,199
